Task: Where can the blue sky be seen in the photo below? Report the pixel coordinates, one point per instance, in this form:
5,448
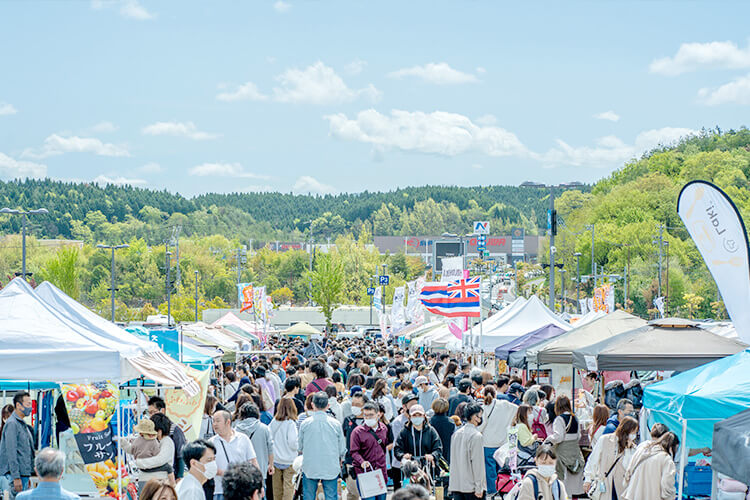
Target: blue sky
327,96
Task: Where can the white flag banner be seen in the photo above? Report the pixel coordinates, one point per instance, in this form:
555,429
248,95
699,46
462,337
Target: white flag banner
413,305
589,304
398,316
717,229
584,306
377,300
453,269
659,305
610,299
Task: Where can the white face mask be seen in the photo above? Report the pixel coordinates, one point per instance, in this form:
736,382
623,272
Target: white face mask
371,422
546,470
633,437
210,470
274,367
417,420
356,411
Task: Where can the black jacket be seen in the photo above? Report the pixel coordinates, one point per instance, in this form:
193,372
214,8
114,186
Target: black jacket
457,400
445,429
418,443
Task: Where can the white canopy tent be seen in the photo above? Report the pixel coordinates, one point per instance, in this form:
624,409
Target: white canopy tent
529,316
136,357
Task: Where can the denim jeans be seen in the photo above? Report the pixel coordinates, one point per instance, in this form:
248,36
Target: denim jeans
491,470
218,496
310,487
7,482
377,497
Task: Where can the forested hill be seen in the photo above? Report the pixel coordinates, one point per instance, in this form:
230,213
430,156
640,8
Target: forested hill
118,213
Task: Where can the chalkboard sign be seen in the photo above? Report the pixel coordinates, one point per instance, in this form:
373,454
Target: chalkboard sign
96,446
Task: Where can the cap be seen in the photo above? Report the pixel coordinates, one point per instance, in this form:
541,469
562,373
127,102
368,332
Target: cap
355,388
408,398
515,387
421,380
416,409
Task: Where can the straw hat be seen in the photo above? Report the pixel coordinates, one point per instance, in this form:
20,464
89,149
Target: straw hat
146,429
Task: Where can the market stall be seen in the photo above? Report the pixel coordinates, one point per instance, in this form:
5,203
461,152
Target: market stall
504,351
248,329
302,329
690,403
731,447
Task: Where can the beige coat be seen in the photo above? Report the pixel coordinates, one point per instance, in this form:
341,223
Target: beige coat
651,475
602,457
545,487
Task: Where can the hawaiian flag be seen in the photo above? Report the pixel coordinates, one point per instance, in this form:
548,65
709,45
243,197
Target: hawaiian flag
458,298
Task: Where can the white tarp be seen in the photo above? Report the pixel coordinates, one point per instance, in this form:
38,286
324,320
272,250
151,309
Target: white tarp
142,358
529,316
37,344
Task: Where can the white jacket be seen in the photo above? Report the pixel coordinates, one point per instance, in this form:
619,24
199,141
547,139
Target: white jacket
285,437
496,419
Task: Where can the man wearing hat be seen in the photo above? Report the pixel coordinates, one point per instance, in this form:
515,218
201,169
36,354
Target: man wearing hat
516,393
427,393
397,426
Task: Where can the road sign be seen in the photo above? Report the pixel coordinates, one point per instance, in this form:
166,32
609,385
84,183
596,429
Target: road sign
481,227
384,280
486,253
370,290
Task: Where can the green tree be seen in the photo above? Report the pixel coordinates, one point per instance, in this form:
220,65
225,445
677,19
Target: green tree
327,285
62,271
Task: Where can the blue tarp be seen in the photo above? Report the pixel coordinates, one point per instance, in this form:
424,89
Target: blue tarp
524,341
20,385
703,396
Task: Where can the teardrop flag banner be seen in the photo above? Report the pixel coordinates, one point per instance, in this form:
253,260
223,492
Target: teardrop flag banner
717,229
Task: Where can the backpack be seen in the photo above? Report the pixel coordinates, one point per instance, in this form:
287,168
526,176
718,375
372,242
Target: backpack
635,394
538,428
556,490
613,392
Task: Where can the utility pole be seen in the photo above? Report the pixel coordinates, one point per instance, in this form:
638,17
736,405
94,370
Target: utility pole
660,242
175,241
593,266
562,286
23,214
372,297
112,272
196,295
666,295
167,256
552,231
578,281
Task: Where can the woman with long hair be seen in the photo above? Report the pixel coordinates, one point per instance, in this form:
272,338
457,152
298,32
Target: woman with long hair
610,459
600,416
380,395
7,411
565,435
521,422
496,418
156,489
652,470
207,425
284,433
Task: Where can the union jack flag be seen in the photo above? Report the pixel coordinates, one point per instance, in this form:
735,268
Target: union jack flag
464,288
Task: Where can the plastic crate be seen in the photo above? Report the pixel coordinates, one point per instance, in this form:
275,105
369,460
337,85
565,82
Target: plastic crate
697,481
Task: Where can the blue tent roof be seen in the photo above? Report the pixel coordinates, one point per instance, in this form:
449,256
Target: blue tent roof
168,340
703,396
524,341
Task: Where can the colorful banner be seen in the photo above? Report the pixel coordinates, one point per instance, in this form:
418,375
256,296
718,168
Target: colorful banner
90,409
604,299
185,411
245,296
259,302
718,231
414,309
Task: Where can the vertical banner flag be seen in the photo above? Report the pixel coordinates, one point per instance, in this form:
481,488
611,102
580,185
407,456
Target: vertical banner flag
259,300
659,305
398,317
718,231
245,296
453,269
414,310
186,411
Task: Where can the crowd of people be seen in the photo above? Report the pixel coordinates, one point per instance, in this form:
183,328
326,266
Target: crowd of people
287,425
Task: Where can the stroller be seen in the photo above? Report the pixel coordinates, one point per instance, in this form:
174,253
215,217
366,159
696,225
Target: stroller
431,476
507,478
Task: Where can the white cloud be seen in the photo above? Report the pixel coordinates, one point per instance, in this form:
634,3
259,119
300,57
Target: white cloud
736,92
178,129
282,7
610,151
265,188
223,170
316,84
356,67
481,70
437,73
118,180
695,56
15,169
310,185
245,92
438,132
7,109
151,168
104,127
608,115
130,9
487,120
57,144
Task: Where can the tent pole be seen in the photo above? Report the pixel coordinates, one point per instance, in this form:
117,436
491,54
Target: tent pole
118,462
573,387
683,458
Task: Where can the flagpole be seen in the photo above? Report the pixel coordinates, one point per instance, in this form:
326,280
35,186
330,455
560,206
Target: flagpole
481,337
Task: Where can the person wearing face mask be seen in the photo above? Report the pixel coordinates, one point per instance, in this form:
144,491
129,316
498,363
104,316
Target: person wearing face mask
200,459
541,483
368,445
427,394
609,460
350,424
418,439
467,478
17,446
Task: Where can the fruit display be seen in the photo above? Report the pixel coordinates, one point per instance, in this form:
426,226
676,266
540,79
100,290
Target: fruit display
104,475
90,407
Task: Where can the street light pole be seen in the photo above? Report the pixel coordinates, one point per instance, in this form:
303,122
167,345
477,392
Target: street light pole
372,297
112,272
169,290
23,214
578,280
562,286
196,295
